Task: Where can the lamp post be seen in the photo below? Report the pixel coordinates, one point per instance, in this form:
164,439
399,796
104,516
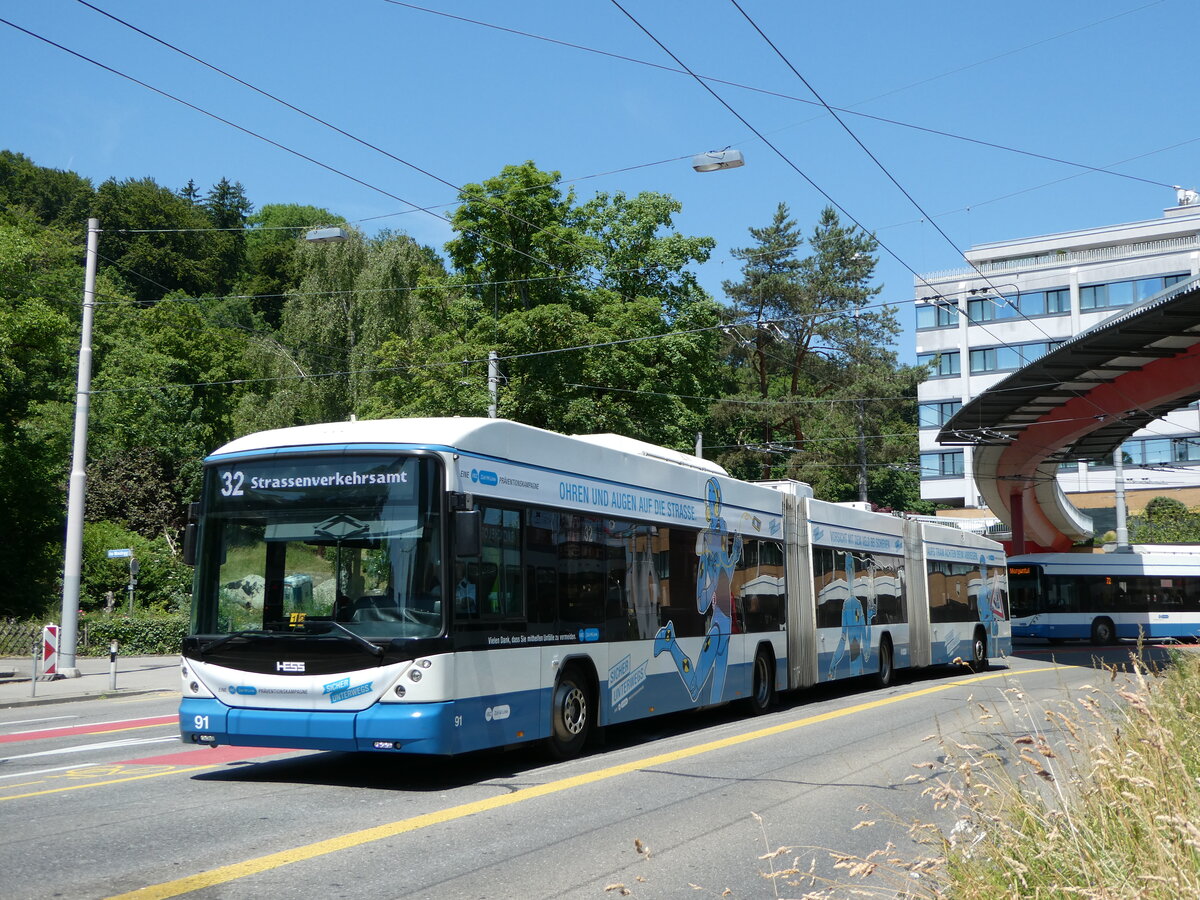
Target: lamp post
715,160
77,489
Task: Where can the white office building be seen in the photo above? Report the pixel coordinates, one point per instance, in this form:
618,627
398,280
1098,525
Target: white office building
1025,296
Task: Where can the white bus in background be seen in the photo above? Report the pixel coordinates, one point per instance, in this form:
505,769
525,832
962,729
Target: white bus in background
447,585
1103,597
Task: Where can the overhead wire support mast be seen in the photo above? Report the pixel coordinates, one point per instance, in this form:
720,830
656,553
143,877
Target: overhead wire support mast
77,489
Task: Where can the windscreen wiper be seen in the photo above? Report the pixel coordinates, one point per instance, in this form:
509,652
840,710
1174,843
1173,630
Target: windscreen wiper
370,647
374,649
221,641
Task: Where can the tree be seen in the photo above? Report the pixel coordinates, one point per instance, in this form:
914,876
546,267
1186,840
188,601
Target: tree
1165,520
814,380
38,345
273,238
191,193
352,297
157,240
604,329
516,240
163,398
47,196
228,210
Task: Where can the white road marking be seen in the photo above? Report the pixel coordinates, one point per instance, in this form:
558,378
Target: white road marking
31,721
84,748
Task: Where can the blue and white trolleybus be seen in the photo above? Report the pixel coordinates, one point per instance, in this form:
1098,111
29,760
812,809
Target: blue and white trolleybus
446,585
1105,596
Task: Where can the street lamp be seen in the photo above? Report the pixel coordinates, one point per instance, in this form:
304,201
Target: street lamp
328,235
715,160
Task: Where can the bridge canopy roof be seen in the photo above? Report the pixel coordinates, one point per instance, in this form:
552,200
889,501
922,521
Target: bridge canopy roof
1081,400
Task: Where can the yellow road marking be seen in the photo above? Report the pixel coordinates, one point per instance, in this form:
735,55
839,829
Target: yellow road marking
79,787
24,784
225,874
170,724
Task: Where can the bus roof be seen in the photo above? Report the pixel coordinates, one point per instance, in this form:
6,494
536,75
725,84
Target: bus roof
1111,563
495,436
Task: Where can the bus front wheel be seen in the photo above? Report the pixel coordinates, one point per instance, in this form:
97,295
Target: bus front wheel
570,716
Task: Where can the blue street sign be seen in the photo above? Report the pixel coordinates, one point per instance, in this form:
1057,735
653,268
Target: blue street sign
120,554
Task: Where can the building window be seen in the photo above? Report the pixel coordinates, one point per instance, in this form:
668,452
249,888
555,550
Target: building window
1058,301
983,310
1186,449
942,365
1033,303
1160,451
935,415
1123,293
1046,303
1153,452
936,315
942,465
1007,359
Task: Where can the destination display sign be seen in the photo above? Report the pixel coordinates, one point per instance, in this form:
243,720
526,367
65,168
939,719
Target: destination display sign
337,480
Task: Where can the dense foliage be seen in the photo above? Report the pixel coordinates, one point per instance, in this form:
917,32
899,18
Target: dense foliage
214,319
1165,520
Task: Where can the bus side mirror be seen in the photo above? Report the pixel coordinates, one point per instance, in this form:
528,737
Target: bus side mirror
189,535
466,533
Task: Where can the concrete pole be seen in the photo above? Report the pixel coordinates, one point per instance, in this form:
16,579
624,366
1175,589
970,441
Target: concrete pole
1119,502
493,384
77,490
862,454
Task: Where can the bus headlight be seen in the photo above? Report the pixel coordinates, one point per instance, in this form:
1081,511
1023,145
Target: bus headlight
399,691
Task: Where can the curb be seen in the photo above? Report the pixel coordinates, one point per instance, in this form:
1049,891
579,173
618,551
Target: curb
103,695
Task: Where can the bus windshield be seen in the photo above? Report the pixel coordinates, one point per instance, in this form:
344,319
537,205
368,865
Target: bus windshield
290,542
1024,590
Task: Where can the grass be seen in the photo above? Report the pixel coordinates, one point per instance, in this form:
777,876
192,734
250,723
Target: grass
1098,802
1098,798
1094,799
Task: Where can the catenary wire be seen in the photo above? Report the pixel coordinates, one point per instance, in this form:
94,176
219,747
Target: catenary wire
274,143
881,119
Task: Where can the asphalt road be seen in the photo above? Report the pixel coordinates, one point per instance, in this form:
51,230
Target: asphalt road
98,798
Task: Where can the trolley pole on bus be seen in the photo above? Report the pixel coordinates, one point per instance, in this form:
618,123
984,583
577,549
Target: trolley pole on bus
73,548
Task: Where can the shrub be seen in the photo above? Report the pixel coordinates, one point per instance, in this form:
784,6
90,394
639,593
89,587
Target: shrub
135,635
164,582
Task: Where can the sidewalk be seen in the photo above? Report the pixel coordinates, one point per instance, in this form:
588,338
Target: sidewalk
135,675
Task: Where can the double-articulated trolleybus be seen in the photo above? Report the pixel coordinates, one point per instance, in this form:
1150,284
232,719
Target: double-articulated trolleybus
446,585
1105,596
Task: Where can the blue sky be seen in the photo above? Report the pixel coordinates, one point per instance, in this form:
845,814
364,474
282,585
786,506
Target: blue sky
1100,83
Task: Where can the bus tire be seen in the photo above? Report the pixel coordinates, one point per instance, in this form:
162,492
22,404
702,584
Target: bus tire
762,689
979,656
570,715
887,669
1103,631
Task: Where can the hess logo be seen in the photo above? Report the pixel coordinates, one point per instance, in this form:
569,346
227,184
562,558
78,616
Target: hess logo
289,667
